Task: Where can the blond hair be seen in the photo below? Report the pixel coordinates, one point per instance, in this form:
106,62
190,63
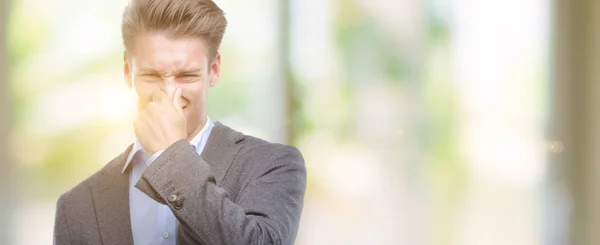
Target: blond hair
177,18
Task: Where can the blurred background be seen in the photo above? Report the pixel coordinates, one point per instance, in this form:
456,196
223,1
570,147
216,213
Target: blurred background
468,122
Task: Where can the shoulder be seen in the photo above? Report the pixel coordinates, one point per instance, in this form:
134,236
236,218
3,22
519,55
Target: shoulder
263,158
77,195
253,147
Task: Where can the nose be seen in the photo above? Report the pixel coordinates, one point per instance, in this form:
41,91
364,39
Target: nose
169,86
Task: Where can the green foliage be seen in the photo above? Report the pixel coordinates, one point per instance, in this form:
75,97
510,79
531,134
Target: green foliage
26,32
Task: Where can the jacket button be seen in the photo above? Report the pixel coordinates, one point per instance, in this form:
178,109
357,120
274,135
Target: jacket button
178,205
172,198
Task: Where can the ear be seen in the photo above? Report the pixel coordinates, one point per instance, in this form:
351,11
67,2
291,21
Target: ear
215,70
127,70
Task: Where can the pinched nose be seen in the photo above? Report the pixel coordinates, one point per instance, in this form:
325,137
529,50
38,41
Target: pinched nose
170,89
169,86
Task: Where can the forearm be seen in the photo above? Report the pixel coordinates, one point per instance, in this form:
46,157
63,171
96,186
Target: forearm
267,210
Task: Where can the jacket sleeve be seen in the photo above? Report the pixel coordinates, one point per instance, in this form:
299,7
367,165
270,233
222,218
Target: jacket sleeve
266,211
61,231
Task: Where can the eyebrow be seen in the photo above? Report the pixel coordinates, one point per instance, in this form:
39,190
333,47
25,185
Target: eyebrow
181,71
188,71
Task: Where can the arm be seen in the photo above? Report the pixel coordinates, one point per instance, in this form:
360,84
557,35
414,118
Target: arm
267,210
61,231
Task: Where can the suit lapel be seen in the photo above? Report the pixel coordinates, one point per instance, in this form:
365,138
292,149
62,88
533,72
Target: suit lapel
221,148
111,202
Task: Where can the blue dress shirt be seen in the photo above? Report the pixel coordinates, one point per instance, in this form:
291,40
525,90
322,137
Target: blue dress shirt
152,222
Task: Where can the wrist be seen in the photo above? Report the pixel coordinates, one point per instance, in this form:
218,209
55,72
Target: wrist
154,156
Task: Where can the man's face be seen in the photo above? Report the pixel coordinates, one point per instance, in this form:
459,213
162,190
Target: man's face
158,61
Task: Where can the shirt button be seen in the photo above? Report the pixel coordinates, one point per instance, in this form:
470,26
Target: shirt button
166,234
172,198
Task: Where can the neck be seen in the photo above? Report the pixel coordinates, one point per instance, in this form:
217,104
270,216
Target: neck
199,128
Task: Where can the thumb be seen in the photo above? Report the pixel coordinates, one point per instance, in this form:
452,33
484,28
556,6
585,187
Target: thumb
177,99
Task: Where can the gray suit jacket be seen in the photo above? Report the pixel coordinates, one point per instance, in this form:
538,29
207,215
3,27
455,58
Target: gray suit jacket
241,190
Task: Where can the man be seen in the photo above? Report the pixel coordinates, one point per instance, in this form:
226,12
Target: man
186,179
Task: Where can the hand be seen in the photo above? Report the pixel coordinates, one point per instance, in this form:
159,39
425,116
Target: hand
162,123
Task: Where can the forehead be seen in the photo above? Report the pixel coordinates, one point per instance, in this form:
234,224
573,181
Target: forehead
161,52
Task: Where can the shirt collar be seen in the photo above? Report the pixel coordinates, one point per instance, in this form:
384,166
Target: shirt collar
195,142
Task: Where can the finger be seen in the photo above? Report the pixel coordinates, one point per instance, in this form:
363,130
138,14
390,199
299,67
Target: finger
154,109
177,99
159,95
170,90
153,123
145,130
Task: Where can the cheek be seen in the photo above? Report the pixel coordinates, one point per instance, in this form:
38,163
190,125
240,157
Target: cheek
194,93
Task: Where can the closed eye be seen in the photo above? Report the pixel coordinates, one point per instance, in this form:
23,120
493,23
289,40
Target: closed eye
188,75
188,78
